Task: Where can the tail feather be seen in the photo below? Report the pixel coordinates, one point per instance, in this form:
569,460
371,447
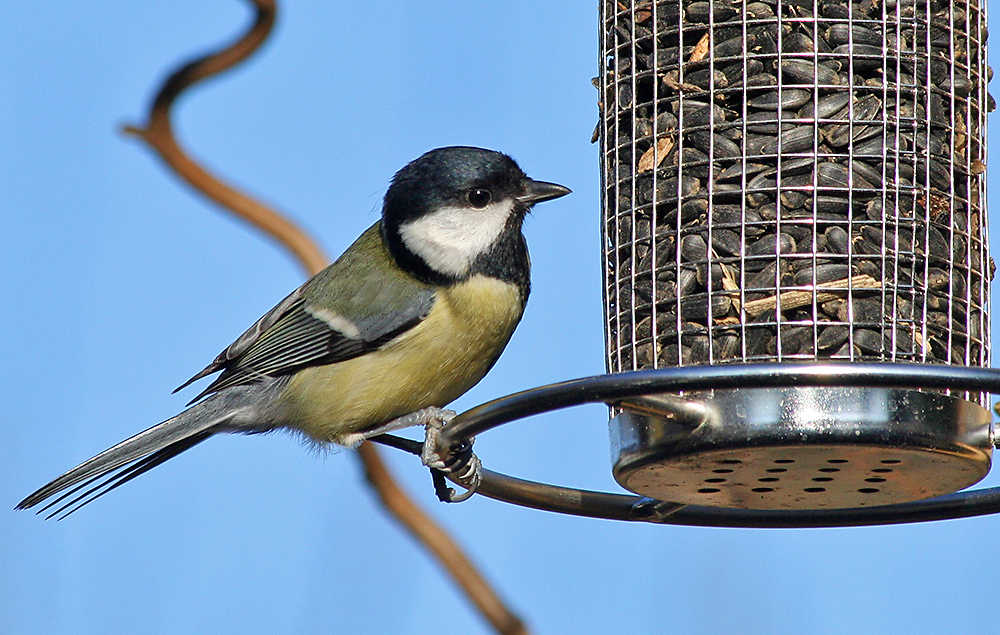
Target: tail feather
102,483
130,458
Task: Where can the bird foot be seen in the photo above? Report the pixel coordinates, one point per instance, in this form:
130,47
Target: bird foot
460,463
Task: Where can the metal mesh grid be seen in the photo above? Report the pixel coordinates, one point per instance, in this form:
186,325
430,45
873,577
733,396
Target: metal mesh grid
794,180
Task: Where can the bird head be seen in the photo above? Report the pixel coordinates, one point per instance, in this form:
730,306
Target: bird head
452,209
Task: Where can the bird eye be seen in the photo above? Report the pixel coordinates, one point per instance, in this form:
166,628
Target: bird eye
480,198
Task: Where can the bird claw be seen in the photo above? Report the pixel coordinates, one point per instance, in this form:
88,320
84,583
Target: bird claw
432,455
461,462
470,478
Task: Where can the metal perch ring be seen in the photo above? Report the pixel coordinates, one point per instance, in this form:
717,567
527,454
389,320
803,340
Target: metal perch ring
613,388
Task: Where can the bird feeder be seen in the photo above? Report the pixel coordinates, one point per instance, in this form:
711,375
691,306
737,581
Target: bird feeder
794,181
795,264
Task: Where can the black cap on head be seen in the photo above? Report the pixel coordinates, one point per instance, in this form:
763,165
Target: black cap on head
443,176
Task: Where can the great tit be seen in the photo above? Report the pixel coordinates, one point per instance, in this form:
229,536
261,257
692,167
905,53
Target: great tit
411,316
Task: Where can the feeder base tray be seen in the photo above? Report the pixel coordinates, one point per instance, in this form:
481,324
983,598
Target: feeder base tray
800,448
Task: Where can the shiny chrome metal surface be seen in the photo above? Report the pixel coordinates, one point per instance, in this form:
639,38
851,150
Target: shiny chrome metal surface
804,448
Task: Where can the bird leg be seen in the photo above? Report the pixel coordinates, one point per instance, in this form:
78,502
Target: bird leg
423,417
460,463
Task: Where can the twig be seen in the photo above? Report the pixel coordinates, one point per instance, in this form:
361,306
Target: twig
802,297
158,134
440,544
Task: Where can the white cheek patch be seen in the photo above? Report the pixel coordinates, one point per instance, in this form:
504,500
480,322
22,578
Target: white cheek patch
451,238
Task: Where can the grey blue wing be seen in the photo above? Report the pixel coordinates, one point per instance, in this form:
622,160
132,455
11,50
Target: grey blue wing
249,337
301,338
353,307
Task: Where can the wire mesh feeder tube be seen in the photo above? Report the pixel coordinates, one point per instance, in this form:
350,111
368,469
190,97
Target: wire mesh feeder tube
795,180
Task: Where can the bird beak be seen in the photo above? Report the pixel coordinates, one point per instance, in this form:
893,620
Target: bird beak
538,191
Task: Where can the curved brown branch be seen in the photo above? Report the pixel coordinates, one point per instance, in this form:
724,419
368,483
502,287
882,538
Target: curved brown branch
158,134
437,540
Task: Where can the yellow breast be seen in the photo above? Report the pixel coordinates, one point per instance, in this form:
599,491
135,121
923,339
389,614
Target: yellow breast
429,365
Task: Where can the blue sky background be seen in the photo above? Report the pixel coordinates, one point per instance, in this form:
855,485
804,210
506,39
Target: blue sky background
118,284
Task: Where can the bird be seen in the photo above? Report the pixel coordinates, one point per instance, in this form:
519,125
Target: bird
412,315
